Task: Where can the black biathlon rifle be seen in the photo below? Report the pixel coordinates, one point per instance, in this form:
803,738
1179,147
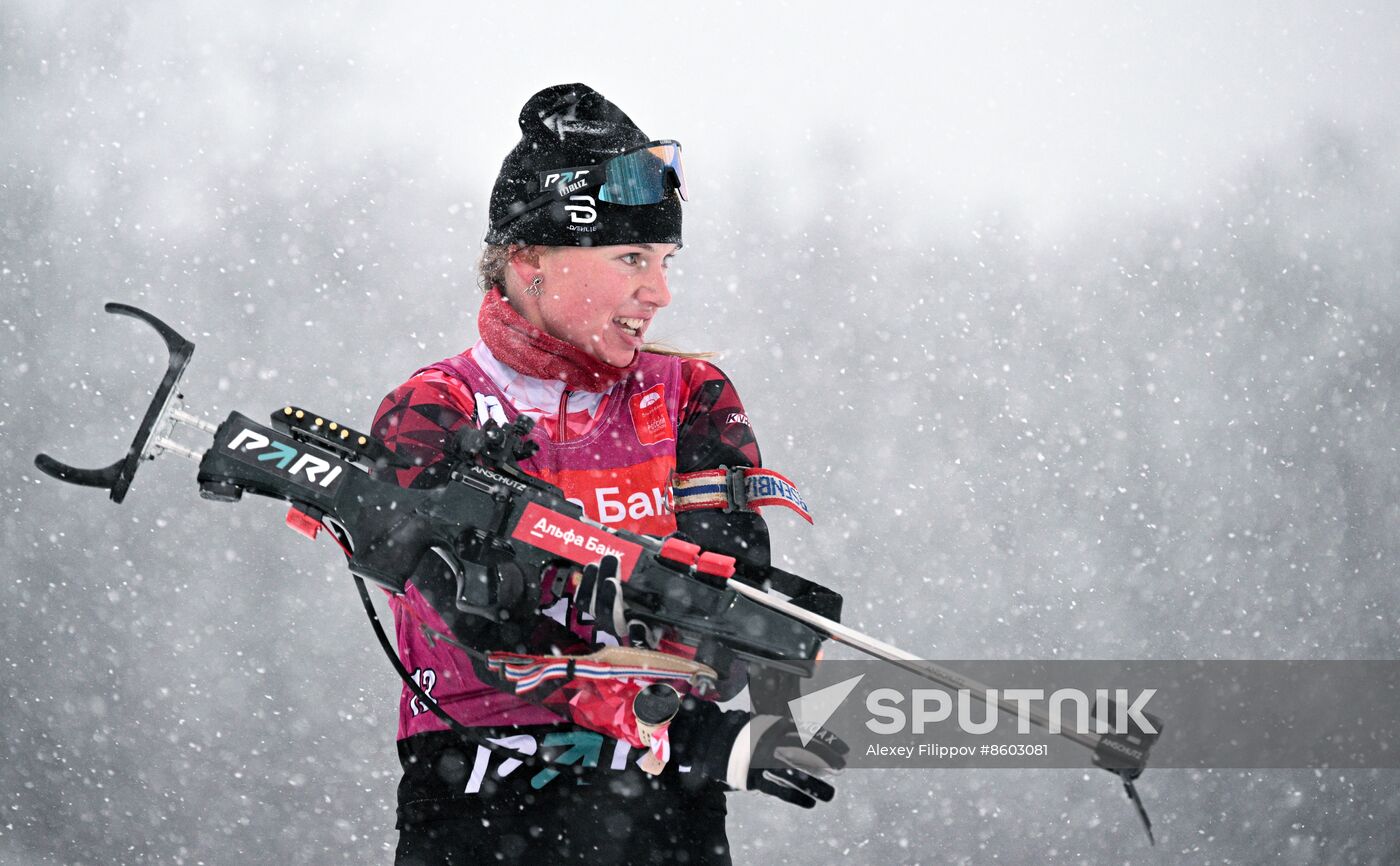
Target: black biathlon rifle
499,530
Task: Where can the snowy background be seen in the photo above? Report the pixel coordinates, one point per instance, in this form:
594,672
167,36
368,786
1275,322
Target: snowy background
1078,329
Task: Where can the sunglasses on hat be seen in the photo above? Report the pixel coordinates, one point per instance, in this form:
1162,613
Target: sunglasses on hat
642,176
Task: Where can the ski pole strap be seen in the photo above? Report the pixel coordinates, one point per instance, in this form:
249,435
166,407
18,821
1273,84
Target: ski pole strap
736,488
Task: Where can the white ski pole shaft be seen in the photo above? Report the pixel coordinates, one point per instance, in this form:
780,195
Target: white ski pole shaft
905,661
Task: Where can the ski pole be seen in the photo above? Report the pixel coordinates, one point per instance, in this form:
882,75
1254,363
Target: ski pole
951,679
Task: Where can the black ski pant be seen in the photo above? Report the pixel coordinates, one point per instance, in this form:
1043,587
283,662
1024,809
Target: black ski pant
600,818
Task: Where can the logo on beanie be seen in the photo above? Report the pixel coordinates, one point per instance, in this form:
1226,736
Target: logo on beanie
566,122
563,122
581,214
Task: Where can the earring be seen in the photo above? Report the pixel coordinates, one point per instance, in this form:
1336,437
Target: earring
534,289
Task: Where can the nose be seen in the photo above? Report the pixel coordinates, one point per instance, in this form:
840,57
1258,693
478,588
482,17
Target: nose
654,289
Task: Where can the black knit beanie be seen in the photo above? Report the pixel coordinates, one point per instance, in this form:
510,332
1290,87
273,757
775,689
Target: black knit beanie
568,126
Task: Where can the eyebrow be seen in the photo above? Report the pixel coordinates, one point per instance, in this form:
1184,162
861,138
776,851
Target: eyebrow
651,249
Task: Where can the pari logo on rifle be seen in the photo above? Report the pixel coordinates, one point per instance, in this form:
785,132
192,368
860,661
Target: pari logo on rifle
258,446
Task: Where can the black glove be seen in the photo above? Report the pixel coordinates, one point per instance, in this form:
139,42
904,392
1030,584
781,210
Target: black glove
757,753
599,595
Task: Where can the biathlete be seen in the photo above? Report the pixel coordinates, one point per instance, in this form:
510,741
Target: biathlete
585,218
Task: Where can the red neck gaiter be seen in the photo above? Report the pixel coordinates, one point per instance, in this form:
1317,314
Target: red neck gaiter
523,347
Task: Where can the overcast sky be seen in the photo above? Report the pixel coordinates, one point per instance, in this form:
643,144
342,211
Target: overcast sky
1050,111
1054,109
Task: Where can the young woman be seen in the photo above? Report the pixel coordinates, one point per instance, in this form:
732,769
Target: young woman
585,219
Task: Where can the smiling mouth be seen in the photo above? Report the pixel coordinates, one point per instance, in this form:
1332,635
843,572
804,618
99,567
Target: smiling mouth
630,326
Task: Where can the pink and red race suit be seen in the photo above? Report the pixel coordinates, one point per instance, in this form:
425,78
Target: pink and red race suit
616,454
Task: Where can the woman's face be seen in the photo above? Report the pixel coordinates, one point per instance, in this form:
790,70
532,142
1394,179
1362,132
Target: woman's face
599,299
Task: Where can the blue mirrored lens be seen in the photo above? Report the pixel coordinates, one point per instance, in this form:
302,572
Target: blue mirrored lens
641,176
